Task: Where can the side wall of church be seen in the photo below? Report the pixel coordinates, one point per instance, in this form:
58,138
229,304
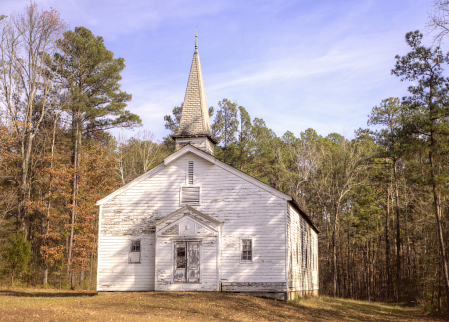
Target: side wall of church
246,211
302,254
115,273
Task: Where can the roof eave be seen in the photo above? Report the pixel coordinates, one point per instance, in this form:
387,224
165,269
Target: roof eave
304,215
186,136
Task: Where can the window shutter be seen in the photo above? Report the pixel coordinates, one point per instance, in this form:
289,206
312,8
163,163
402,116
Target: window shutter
190,195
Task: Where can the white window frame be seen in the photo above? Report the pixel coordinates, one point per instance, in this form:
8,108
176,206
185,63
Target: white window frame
131,251
241,250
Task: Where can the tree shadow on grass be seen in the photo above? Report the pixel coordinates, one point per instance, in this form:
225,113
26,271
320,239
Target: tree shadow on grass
373,311
46,294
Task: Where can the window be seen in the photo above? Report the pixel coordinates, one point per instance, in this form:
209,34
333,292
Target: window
190,195
190,173
187,262
247,250
134,254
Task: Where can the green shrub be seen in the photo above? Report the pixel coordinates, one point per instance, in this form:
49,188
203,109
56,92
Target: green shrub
17,254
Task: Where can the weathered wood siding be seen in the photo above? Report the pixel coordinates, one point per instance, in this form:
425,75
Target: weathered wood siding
302,253
246,210
202,143
115,273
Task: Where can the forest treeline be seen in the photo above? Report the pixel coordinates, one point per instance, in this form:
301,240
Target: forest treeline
379,198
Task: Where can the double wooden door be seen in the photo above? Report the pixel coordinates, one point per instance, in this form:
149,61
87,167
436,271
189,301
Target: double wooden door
187,262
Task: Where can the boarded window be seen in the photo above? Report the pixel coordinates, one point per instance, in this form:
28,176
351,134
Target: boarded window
247,250
187,262
190,173
134,254
190,195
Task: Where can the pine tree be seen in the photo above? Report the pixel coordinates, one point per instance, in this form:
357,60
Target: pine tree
17,254
424,118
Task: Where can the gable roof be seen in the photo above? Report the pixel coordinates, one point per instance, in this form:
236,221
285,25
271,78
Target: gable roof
295,204
195,113
131,184
190,148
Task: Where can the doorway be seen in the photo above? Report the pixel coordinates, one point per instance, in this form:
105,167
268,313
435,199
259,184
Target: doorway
187,262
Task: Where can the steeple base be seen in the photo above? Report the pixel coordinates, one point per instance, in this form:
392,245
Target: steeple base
202,143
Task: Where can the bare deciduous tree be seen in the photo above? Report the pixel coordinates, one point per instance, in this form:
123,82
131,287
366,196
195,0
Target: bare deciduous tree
137,155
438,20
28,44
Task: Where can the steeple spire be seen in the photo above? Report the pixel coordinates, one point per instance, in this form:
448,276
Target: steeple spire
194,127
196,40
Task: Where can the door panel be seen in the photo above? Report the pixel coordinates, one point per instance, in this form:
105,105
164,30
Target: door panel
180,256
193,262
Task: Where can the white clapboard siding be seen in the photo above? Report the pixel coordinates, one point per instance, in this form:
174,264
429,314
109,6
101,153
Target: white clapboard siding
245,209
302,277
114,271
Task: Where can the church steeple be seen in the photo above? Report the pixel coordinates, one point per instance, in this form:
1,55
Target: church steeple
194,127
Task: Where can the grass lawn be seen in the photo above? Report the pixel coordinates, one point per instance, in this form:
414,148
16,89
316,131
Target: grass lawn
55,305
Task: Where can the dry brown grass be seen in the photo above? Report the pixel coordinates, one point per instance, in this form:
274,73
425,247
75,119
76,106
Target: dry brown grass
55,305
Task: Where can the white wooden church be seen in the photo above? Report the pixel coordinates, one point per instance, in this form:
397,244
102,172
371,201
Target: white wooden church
194,223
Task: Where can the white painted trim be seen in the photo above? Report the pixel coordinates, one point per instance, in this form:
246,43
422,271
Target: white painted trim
214,231
286,245
186,149
218,259
130,250
155,262
98,247
131,184
174,213
241,250
252,180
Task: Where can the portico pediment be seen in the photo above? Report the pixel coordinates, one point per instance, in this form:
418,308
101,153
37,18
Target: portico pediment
187,222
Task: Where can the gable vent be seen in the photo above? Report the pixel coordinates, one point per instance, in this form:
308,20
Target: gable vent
190,195
190,173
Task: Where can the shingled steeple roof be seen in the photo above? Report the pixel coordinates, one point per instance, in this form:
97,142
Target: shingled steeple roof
195,120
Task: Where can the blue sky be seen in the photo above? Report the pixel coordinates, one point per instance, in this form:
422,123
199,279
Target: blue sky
297,64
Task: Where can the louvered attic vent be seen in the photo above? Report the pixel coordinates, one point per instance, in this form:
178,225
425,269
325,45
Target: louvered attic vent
190,173
190,195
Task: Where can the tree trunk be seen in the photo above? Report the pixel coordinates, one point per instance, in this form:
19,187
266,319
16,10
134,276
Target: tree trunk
387,239
76,155
348,290
49,194
368,270
438,219
334,265
398,231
